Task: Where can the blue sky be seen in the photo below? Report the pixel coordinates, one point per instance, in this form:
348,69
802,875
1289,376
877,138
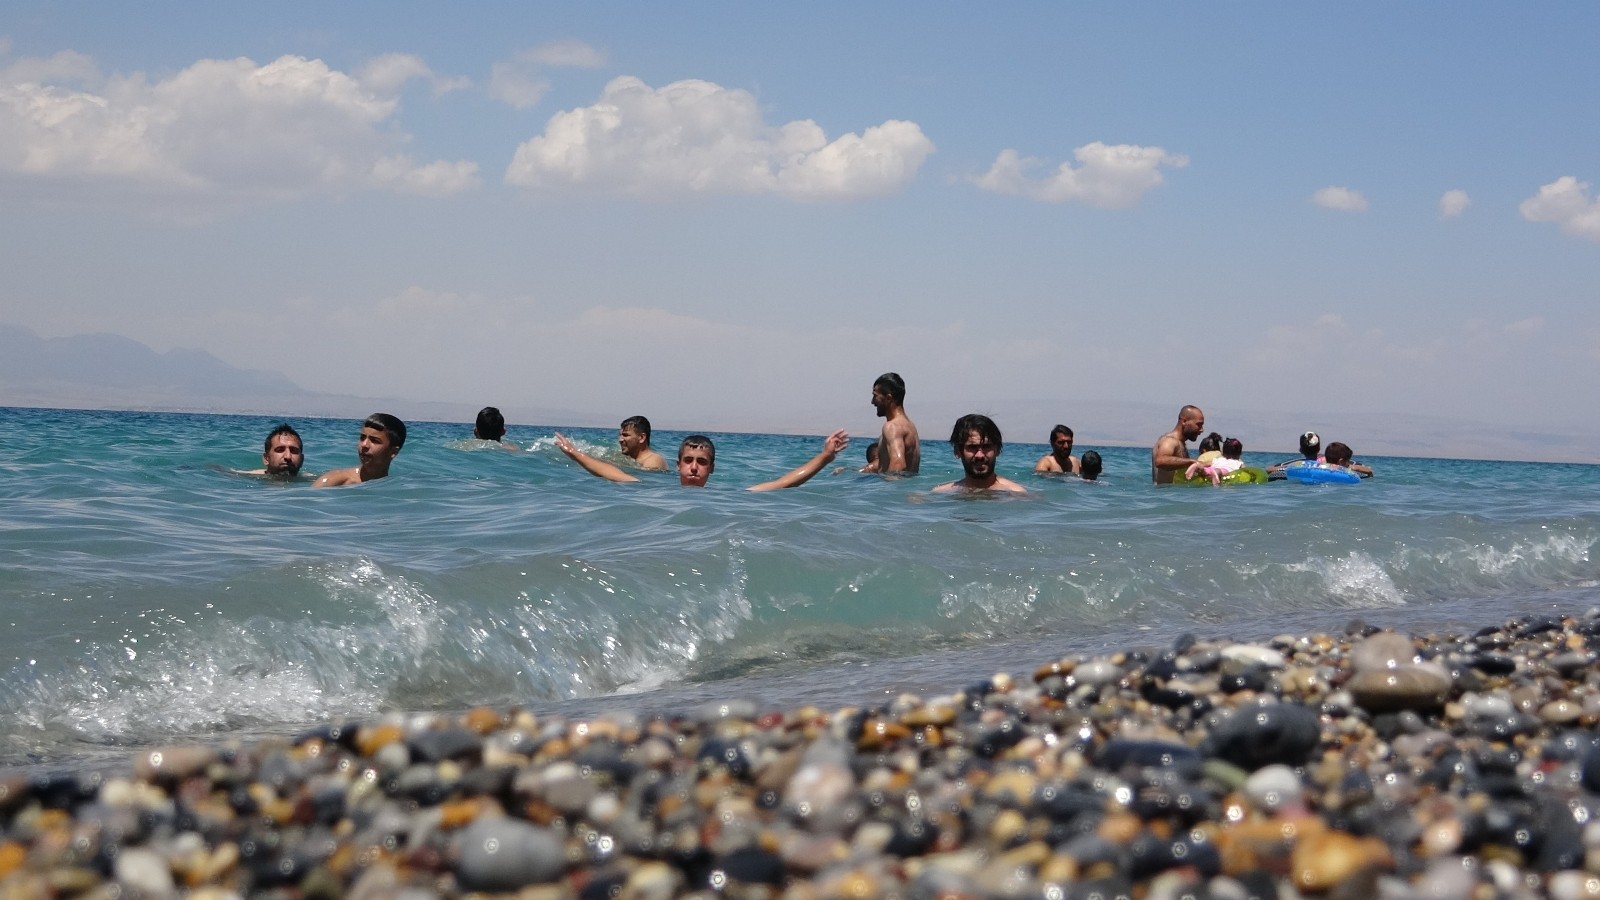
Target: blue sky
739,214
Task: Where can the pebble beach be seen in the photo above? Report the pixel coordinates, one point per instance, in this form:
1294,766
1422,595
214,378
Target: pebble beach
1359,764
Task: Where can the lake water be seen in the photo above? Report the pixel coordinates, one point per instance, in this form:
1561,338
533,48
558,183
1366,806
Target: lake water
148,594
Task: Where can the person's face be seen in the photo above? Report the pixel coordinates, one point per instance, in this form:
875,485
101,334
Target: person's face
977,455
373,445
284,456
1192,427
881,400
1061,444
630,441
694,466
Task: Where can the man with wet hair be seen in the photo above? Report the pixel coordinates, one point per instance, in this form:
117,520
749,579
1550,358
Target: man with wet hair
697,459
382,436
633,436
491,426
1060,458
282,455
1171,452
976,442
899,448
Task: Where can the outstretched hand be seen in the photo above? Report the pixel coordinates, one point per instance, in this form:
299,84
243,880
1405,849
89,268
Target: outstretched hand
836,442
564,444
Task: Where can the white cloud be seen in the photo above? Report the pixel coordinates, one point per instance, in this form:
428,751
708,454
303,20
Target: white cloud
1453,203
387,74
1340,198
1107,176
1565,202
518,81
217,131
695,137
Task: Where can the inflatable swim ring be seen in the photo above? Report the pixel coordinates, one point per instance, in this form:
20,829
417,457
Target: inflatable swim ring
1242,475
1307,472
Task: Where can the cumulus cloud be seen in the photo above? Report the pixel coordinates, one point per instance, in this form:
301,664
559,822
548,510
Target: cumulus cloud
1453,203
1565,202
518,82
388,73
1342,199
695,137
219,130
1107,176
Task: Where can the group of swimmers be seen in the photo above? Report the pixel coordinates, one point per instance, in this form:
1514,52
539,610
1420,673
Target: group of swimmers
1220,456
975,440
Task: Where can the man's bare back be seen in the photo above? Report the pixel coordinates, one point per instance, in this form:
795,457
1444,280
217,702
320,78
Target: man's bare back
904,449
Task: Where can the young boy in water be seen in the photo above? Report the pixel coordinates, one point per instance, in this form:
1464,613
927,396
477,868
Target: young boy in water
382,436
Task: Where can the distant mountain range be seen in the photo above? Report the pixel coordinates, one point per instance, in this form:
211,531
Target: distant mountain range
108,371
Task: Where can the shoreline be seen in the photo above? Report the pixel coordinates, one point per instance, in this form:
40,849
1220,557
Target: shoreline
1357,764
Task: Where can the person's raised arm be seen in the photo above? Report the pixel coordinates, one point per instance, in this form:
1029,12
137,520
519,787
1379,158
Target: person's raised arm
830,448
597,467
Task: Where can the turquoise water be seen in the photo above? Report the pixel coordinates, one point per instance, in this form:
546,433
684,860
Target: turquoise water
149,594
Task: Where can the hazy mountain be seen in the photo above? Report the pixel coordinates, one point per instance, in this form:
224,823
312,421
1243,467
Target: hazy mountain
108,371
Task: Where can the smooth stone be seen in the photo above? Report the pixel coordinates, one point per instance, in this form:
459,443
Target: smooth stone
1253,737
1573,885
1450,878
503,854
1561,712
446,743
1120,752
1421,686
1251,654
651,881
1384,650
145,872
173,763
1274,787
1097,673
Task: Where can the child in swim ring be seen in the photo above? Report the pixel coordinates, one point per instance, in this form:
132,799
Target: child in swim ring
1230,458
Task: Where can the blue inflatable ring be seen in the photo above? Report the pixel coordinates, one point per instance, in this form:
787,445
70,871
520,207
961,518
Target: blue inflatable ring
1307,472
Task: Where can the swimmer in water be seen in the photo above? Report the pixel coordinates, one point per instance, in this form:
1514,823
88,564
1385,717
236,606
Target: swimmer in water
282,455
382,436
633,436
1171,452
491,426
1060,458
976,442
697,459
899,447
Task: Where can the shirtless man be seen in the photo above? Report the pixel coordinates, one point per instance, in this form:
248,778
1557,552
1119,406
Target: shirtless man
1171,452
382,436
633,436
1060,458
899,449
282,455
976,442
697,459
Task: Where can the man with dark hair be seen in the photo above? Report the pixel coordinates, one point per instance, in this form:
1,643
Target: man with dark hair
1171,452
1060,458
633,436
697,459
899,448
491,426
976,442
282,455
1090,470
382,436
